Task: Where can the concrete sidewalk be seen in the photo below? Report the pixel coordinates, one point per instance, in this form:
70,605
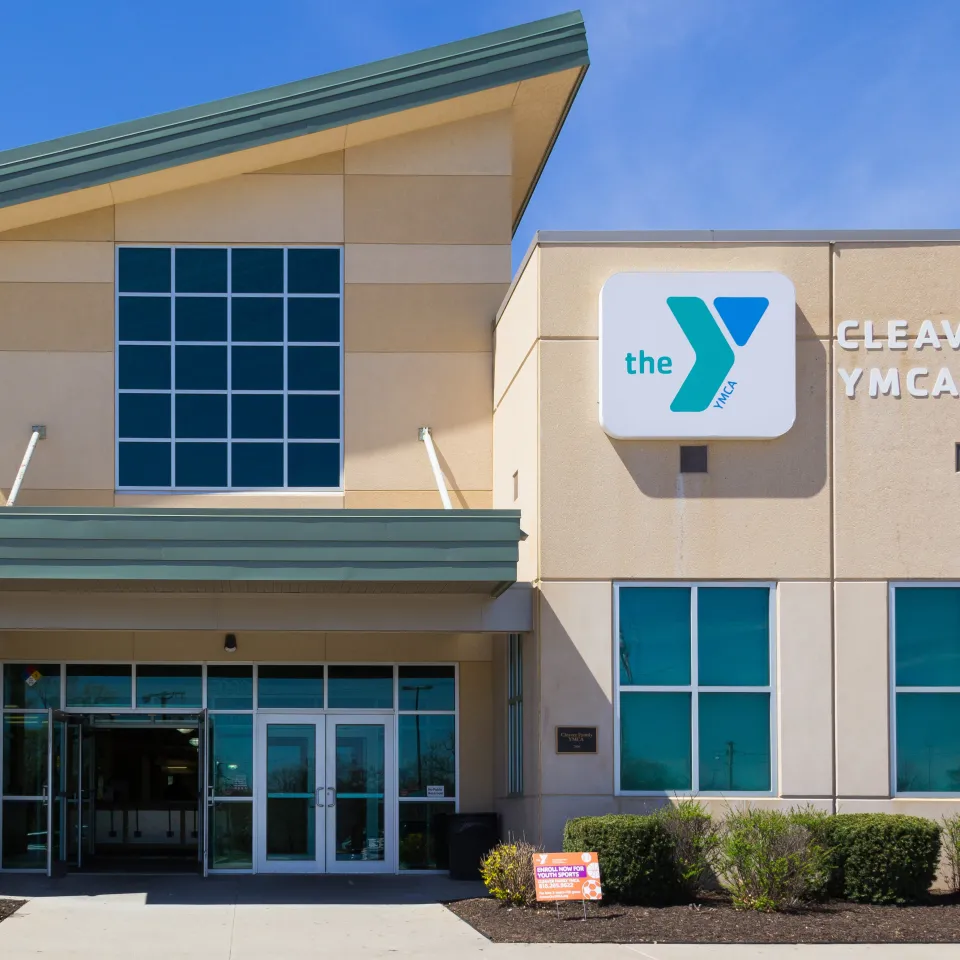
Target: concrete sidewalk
260,918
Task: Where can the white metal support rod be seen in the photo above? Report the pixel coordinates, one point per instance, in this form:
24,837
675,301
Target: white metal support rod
39,433
425,436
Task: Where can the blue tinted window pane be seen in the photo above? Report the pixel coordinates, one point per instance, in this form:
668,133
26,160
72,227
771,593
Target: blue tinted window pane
144,318
427,754
313,271
928,742
290,686
169,686
734,741
201,318
654,636
257,464
144,465
144,414
231,754
314,417
927,632
257,319
144,270
313,464
257,416
201,464
201,270
313,368
31,686
257,270
655,741
201,368
201,415
733,636
427,688
257,368
368,687
144,368
313,319
229,687
99,685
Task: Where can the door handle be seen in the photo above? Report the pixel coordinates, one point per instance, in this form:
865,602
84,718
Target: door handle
331,796
319,797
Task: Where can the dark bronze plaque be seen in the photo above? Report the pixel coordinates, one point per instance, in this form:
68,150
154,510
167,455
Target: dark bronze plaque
576,739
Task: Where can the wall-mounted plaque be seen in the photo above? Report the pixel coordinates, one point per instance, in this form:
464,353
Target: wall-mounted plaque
576,739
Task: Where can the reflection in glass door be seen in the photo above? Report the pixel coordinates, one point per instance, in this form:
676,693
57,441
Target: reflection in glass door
291,811
360,789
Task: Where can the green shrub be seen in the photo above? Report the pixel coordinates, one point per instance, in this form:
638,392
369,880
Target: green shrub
950,836
507,872
695,842
883,857
636,854
817,822
769,861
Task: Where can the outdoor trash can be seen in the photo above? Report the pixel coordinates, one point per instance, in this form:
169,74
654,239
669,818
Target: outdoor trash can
471,836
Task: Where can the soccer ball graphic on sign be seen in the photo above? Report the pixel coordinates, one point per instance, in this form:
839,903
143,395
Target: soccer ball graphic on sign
591,890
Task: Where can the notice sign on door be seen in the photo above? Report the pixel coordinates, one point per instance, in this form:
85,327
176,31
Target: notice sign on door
567,876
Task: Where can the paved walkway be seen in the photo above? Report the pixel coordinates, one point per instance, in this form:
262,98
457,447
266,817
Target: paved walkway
261,918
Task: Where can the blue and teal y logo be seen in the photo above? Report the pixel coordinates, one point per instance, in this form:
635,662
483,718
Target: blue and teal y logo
714,356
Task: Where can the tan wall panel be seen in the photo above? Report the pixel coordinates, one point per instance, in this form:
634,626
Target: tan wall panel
805,688
248,209
257,501
72,393
57,207
517,327
476,734
576,683
194,645
411,648
426,209
93,225
894,463
325,163
516,461
571,278
519,818
57,316
33,261
420,318
862,692
65,645
30,497
388,396
480,145
416,499
425,263
770,494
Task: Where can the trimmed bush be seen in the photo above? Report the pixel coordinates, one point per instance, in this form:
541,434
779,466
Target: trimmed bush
695,843
507,872
636,853
830,885
950,837
769,861
883,857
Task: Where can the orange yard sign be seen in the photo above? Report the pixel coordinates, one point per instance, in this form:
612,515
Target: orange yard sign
567,876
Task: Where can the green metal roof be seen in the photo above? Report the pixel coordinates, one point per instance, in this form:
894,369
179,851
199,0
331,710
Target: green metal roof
292,110
476,549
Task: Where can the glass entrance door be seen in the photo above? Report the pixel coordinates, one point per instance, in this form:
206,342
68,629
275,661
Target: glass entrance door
291,818
360,794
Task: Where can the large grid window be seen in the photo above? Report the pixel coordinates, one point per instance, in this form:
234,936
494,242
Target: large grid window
515,715
694,690
229,368
926,690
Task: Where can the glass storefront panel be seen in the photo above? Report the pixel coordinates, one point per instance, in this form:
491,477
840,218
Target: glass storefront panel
229,687
231,836
231,755
24,754
427,688
168,686
655,741
31,686
423,835
361,687
427,755
24,835
927,625
928,747
99,685
654,636
291,784
734,742
286,687
360,779
733,637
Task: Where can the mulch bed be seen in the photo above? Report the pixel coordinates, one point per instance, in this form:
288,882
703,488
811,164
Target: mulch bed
9,907
713,920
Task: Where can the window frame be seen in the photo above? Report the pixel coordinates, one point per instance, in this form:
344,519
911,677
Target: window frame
515,715
694,688
173,489
894,688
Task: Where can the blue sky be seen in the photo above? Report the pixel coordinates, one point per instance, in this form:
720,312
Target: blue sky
723,114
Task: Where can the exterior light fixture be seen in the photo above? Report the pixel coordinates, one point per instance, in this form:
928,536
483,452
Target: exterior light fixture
230,643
